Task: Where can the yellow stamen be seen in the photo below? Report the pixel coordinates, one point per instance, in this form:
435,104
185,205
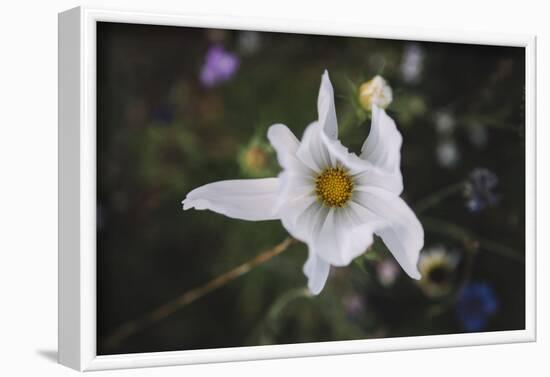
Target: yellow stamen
333,187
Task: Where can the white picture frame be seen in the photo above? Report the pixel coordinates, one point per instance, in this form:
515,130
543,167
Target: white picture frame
77,191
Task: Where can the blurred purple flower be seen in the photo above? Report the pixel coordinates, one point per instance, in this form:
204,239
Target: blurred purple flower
387,272
480,190
219,66
475,305
354,306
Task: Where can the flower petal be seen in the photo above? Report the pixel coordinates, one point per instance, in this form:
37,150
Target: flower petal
326,108
363,171
344,235
400,230
340,153
297,179
312,151
382,147
391,181
246,199
303,217
286,145
294,209
316,270
283,140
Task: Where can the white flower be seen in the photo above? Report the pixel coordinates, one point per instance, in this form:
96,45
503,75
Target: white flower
444,123
478,135
411,65
437,266
447,153
327,197
375,92
249,42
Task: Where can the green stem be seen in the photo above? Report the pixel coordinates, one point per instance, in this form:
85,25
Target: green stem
284,300
268,326
501,250
465,236
438,196
359,262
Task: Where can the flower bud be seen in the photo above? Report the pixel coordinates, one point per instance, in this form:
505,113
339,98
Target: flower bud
375,91
255,159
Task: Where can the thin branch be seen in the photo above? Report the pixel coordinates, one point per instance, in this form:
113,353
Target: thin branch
132,327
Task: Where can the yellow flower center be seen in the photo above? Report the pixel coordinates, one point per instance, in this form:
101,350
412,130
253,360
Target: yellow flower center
333,187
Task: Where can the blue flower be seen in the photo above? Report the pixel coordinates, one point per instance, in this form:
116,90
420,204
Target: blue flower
475,305
219,66
480,190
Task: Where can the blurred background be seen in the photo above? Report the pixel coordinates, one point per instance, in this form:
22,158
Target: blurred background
181,107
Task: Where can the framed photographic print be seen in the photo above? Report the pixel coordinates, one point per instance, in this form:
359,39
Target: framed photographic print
236,189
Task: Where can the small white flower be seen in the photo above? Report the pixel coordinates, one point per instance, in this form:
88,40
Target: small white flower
411,65
437,266
375,92
447,153
444,123
249,42
478,135
327,197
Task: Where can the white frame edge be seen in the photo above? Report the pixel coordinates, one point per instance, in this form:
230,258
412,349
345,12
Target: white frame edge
77,191
69,189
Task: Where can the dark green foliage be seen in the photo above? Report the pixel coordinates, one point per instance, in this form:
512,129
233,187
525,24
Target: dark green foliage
160,134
